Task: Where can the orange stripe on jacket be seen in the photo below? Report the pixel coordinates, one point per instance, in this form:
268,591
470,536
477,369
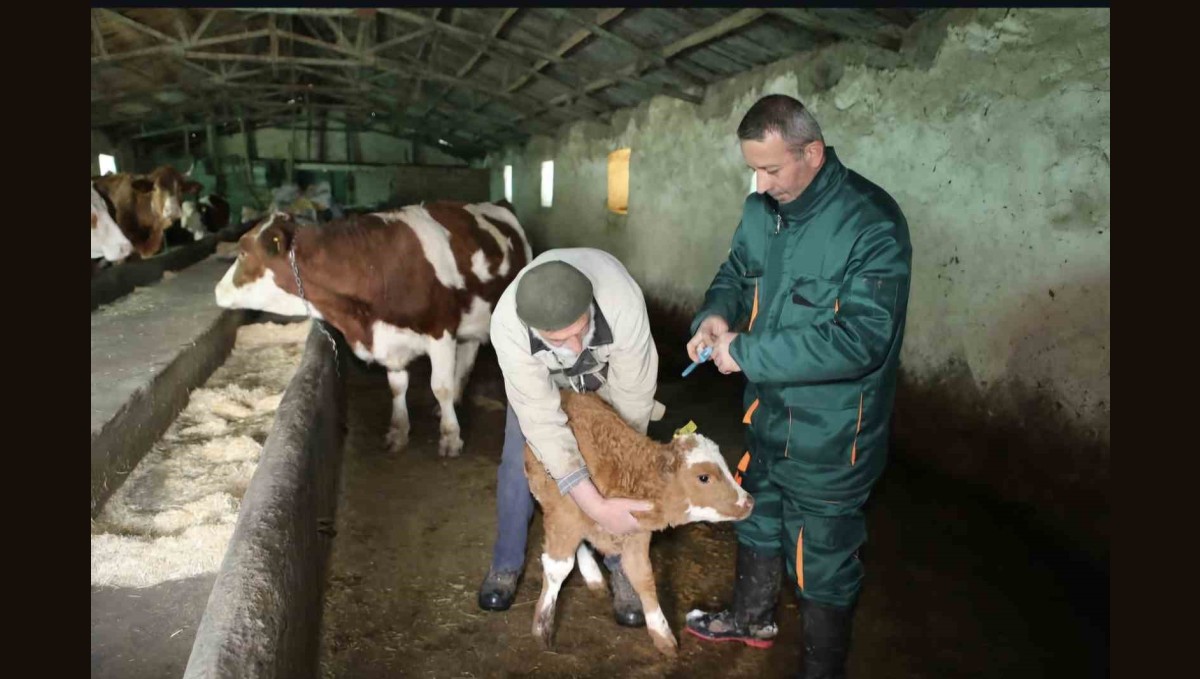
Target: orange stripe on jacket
800,559
749,413
857,428
754,311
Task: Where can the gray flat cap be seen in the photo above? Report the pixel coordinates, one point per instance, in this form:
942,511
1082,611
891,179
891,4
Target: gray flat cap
552,296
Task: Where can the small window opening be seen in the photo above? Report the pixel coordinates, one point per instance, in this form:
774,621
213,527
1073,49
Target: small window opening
547,183
508,183
107,164
618,181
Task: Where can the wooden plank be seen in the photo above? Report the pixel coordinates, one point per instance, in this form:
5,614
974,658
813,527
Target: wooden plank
419,33
136,25
97,35
212,13
842,23
726,25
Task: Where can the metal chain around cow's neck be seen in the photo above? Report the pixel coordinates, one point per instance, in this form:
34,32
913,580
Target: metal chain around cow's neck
308,305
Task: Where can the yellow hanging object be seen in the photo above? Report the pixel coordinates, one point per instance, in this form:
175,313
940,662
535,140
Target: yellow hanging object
689,428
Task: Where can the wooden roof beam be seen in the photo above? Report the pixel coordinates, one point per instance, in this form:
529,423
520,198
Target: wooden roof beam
136,25
838,22
628,73
645,56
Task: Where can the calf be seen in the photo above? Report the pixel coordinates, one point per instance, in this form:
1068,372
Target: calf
398,285
107,240
687,480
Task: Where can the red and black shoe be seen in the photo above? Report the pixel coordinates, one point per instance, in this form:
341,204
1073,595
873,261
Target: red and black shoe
722,626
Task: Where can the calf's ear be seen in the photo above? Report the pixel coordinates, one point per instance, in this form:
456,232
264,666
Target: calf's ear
277,239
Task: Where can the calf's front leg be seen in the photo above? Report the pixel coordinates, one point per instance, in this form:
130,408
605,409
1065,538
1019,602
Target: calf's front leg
635,560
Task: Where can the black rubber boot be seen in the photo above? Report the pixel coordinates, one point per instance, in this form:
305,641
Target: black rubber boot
751,620
627,605
498,590
826,640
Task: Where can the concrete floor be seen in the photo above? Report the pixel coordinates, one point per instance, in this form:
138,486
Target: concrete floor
148,632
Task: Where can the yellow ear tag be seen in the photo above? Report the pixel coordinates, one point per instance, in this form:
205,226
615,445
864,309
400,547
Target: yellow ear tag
689,428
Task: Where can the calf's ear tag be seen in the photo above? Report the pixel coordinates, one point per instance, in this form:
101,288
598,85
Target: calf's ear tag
689,428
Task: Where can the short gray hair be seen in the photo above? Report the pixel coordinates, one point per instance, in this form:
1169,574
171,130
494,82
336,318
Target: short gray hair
783,115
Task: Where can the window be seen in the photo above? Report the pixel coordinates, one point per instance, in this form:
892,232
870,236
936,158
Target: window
618,181
547,183
107,164
508,183
753,181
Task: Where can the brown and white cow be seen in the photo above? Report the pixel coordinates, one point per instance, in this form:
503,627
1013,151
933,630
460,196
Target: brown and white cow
687,480
107,240
145,205
398,285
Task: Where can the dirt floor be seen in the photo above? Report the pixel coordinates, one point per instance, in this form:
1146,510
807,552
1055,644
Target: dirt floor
954,587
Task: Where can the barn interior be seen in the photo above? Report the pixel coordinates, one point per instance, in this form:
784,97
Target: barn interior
610,128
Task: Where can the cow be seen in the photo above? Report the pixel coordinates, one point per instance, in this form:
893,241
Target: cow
686,480
397,285
191,220
214,212
107,240
143,206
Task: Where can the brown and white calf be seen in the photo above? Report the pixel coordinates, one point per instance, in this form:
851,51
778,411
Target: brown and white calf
687,480
107,240
145,206
398,285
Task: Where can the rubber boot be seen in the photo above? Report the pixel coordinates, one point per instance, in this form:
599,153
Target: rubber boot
751,620
826,640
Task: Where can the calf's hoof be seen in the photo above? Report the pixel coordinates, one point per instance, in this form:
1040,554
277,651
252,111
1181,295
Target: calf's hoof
397,439
543,630
666,644
450,446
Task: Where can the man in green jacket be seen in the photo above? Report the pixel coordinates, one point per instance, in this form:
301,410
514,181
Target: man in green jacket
818,275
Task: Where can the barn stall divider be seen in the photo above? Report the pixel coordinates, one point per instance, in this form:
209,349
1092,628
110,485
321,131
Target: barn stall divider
119,280
263,614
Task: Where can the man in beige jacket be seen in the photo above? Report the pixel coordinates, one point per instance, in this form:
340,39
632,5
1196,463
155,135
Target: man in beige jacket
572,319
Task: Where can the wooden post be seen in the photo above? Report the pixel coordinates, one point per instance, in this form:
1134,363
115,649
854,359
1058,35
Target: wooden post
214,158
249,156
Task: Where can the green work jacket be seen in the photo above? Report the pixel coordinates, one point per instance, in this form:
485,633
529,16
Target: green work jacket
822,283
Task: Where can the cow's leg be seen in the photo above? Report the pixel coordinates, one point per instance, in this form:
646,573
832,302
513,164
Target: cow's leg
397,436
635,560
441,359
464,360
558,558
588,568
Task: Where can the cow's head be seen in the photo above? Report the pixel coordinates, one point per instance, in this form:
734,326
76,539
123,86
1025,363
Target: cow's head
252,283
168,186
107,240
699,485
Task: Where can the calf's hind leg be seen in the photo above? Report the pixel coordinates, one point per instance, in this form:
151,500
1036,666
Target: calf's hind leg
558,558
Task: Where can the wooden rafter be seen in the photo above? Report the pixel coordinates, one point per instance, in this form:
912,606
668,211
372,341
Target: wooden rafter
630,72
208,18
885,35
136,25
